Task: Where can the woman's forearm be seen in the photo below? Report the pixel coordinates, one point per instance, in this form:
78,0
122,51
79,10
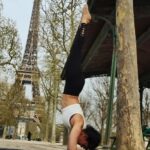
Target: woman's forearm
73,137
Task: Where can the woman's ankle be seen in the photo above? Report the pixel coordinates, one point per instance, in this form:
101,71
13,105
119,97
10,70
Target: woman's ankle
86,16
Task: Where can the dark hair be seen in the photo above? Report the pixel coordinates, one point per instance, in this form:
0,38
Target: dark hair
93,137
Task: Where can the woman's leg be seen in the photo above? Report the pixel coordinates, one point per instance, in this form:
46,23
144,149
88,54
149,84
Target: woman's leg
74,77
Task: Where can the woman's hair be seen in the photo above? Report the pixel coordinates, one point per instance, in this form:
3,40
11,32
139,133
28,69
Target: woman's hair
93,137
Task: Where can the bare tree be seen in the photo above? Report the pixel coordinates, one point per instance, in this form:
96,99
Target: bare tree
9,43
10,47
95,100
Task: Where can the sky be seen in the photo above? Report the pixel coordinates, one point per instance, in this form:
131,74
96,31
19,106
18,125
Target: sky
20,12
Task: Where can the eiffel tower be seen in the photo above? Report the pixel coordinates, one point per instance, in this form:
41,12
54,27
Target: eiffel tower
28,73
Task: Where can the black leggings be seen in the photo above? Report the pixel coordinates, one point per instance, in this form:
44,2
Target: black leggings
74,77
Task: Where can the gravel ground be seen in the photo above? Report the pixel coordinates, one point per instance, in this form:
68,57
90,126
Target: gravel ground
28,145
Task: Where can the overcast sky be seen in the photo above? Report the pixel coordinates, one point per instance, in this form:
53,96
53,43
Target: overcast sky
20,12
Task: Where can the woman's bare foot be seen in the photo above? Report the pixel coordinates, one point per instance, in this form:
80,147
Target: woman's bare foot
86,16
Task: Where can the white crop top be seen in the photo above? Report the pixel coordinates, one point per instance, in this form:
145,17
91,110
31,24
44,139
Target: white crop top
69,111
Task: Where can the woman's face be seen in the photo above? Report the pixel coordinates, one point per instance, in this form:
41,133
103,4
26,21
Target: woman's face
82,140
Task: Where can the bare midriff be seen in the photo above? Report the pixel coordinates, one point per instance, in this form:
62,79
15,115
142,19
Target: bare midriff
69,100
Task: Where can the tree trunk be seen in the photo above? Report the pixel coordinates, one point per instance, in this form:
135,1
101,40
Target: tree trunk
53,133
15,132
51,113
47,123
56,87
129,133
65,136
5,131
102,132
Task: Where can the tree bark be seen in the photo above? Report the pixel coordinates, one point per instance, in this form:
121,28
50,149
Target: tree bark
47,123
129,133
55,100
5,131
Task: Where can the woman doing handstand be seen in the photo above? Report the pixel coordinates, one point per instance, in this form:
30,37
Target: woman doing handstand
80,133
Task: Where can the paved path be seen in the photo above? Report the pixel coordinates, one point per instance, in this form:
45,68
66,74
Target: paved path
33,145
28,145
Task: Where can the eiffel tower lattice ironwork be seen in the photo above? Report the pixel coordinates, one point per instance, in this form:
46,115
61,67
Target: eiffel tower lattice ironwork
28,73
